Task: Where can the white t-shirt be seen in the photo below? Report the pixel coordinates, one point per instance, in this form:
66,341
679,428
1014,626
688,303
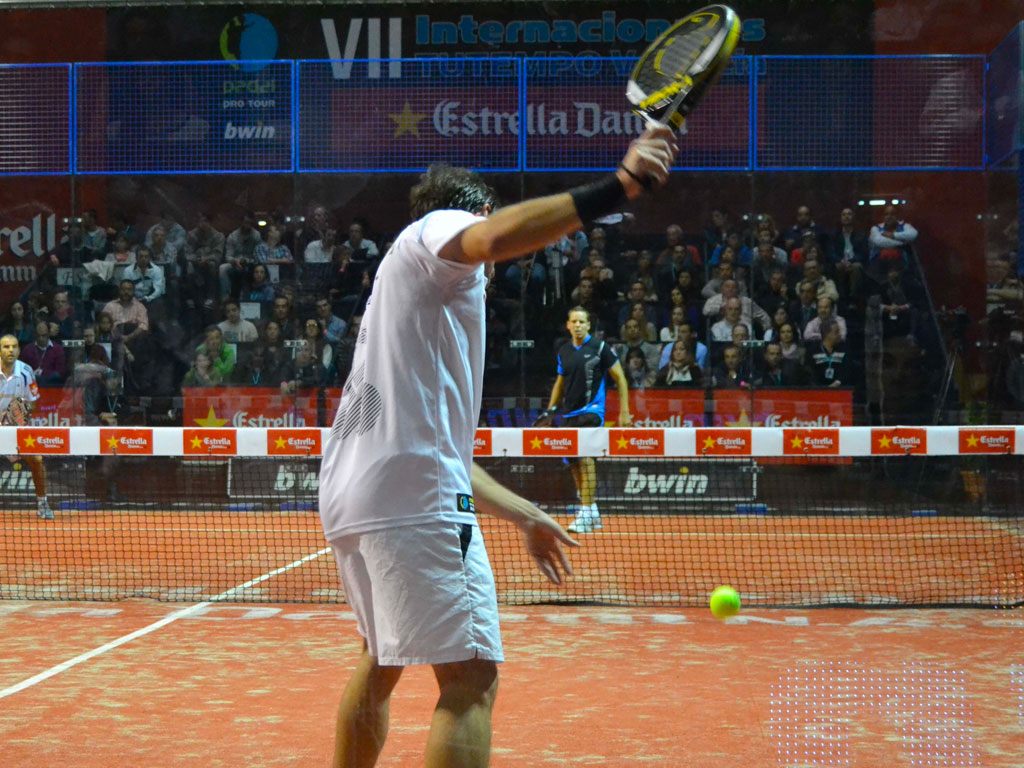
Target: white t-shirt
21,383
401,445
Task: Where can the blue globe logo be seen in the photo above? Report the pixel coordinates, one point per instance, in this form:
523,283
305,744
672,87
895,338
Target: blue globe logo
246,38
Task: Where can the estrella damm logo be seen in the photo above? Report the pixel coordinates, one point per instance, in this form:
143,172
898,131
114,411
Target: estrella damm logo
210,442
44,440
974,440
550,442
482,443
810,442
899,440
636,442
723,442
126,442
293,442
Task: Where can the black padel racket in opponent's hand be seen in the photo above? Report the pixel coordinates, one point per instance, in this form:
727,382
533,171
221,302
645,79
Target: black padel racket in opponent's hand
677,69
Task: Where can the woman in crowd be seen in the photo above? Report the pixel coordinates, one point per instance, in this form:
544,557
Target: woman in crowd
202,373
259,289
681,371
637,373
638,312
677,318
313,334
779,318
17,324
792,349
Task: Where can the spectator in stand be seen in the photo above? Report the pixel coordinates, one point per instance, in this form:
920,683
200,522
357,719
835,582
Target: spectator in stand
778,371
723,272
779,318
795,234
94,237
638,375
789,341
600,311
334,327
764,264
222,357
120,225
731,374
305,372
313,227
681,259
282,314
17,324
350,283
815,328
174,234
891,240
638,312
634,339
204,253
107,335
677,252
313,335
147,277
364,252
692,298
235,330
849,256
63,315
526,278
259,289
716,233
205,244
162,252
45,357
1003,290
346,348
828,359
766,227
897,298
637,295
686,335
808,248
822,285
268,365
121,256
239,255
740,335
644,273
681,370
274,252
598,240
128,315
319,260
805,307
203,373
565,258
601,275
91,353
677,319
751,313
722,330
733,240
773,292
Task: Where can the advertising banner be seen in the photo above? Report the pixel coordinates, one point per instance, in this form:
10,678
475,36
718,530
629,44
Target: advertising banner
258,407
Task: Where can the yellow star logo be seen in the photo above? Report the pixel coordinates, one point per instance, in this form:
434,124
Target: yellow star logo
30,442
535,443
743,421
407,121
972,441
709,443
280,443
884,441
796,442
197,443
211,420
112,443
622,442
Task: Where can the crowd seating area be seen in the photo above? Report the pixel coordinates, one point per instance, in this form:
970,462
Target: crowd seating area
144,309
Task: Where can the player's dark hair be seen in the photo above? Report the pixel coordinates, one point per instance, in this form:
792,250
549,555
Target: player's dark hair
445,187
582,309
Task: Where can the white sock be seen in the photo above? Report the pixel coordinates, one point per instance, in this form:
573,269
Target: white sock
41,501
593,509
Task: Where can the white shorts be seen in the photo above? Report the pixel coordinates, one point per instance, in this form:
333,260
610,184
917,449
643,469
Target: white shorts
416,598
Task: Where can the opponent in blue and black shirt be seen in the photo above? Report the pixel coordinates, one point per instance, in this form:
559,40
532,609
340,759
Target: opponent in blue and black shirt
584,364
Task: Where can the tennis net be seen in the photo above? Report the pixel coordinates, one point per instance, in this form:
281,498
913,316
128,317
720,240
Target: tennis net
797,517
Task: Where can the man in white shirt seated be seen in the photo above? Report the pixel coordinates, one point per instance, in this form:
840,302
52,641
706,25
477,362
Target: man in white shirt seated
891,239
234,329
363,250
148,277
816,328
722,330
749,311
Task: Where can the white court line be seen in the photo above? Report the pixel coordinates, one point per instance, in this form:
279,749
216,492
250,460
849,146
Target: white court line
226,595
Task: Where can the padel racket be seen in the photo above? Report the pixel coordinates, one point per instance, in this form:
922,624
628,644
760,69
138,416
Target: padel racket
678,69
16,414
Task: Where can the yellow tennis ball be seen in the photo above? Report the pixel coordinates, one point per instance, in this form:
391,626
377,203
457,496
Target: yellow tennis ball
725,602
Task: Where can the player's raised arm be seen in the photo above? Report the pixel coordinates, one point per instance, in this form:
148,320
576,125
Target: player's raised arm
528,226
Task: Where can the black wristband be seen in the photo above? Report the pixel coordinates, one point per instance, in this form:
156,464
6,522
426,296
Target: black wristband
645,183
597,199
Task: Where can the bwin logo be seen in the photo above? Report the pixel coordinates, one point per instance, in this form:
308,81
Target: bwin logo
249,132
341,64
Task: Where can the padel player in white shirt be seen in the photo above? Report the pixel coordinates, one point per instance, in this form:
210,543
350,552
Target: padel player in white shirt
18,382
399,493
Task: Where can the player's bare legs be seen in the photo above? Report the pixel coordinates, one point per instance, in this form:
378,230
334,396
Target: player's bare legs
363,713
584,474
460,733
38,470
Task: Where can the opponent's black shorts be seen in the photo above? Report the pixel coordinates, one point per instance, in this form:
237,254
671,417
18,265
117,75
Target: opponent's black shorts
583,420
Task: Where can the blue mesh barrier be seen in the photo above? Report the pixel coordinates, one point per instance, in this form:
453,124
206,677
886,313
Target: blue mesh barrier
402,115
578,119
1003,84
869,112
34,119
184,117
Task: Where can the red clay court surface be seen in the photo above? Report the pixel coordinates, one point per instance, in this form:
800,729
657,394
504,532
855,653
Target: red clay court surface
257,685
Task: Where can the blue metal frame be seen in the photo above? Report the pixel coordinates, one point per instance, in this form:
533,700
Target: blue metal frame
522,165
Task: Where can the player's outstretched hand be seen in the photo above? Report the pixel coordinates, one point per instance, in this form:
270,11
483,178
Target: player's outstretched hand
647,163
544,538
